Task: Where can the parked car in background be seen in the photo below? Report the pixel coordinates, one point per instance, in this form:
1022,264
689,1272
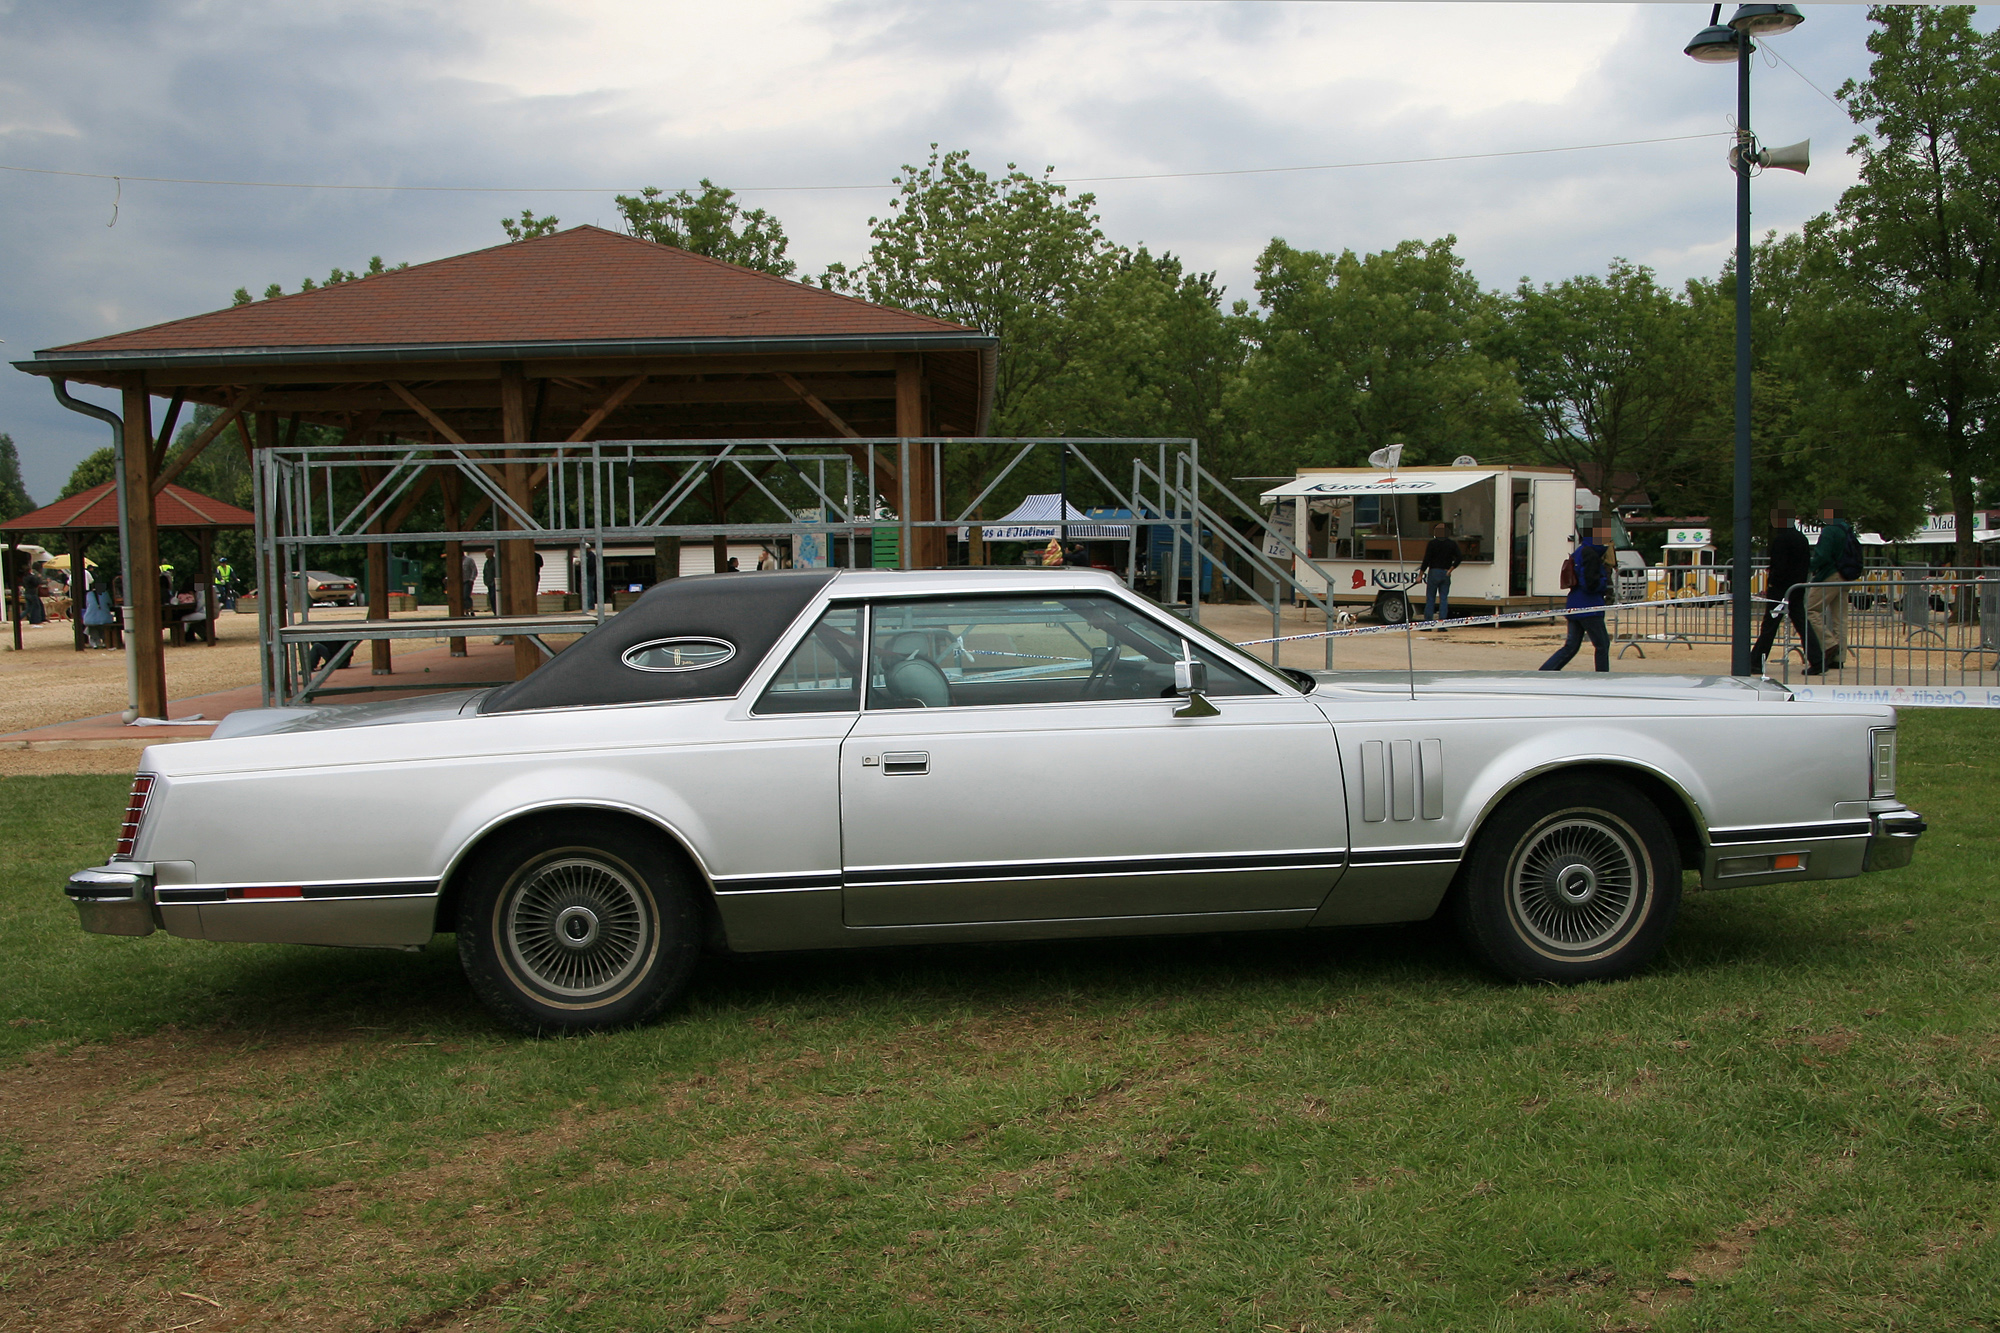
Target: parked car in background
337,589
816,759
1631,576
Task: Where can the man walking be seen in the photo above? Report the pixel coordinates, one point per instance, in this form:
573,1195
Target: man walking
1441,556
1791,566
1836,559
1588,574
468,574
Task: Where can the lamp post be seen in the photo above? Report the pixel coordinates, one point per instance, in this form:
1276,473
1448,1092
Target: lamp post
1717,44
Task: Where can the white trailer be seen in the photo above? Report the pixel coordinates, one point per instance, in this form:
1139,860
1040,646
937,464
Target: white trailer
1364,531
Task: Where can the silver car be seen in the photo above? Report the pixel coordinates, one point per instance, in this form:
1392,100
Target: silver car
814,759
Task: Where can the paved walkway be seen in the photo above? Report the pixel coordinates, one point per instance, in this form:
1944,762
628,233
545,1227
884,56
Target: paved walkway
425,669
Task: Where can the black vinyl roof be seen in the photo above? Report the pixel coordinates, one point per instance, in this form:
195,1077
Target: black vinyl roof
748,611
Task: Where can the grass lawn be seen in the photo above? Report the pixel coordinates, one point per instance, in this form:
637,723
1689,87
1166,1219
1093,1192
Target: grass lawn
1788,1123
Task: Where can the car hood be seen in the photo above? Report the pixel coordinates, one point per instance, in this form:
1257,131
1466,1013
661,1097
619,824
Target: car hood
332,717
1545,684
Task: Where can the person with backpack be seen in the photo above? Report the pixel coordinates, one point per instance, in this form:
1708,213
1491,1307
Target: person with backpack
1836,560
1791,568
1587,575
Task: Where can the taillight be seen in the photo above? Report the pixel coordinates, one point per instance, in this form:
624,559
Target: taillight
135,810
1882,762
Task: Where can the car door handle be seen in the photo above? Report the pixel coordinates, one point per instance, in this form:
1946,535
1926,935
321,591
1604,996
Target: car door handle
906,762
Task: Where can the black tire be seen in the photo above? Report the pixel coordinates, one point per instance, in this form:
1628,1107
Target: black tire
1570,880
578,926
1392,608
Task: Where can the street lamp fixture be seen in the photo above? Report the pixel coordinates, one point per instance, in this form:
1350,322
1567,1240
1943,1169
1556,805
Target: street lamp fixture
1715,45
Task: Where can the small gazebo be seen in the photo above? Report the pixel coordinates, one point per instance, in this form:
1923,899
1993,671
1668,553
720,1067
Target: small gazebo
94,512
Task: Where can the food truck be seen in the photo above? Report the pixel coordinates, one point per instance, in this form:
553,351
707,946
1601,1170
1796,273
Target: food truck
1365,529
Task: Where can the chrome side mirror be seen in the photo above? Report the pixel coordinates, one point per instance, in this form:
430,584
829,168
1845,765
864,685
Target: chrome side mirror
1190,680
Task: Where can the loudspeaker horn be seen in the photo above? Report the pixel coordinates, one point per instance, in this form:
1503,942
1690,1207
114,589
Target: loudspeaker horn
1792,157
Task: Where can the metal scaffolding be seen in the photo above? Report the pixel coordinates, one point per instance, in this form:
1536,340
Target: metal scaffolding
597,495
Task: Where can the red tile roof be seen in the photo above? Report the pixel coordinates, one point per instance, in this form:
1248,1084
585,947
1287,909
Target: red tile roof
581,285
97,510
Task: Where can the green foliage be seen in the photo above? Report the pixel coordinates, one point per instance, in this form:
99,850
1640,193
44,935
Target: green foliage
1014,257
1362,351
338,275
97,467
14,498
1906,271
1154,354
1611,374
527,227
711,223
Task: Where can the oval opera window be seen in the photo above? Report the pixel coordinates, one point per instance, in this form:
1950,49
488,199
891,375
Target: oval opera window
688,654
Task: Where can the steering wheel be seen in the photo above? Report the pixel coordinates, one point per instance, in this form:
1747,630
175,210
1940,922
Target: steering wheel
1103,661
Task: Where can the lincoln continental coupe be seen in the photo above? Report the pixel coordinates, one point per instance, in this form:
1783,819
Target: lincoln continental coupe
820,759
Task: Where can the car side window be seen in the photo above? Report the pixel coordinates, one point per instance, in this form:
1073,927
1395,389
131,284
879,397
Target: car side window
822,674
972,651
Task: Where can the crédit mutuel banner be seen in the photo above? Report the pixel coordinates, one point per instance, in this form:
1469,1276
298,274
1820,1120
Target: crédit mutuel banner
1901,696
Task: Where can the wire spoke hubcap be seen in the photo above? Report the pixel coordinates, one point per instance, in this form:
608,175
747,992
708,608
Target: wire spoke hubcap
577,926
1576,882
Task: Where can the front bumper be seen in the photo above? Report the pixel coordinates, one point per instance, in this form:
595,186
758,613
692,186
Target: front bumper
115,899
1894,840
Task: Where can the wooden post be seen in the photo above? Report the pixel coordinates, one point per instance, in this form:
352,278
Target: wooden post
79,585
455,601
142,597
666,558
204,579
517,558
17,580
720,504
927,545
380,658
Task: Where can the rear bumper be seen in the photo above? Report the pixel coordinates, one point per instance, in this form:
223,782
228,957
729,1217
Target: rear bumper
115,899
1894,840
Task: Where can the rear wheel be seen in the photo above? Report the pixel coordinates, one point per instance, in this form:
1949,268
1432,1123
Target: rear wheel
1392,608
576,927
1570,880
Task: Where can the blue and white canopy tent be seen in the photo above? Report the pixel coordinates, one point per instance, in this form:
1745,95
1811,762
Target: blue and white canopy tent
1035,519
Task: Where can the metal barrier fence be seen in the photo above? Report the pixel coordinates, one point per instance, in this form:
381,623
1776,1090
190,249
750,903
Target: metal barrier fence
1912,636
1677,605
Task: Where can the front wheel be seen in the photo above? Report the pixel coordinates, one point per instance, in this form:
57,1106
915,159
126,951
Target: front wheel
1392,608
1570,880
577,927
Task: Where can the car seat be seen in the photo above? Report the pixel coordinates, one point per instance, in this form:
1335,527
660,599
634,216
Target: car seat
911,678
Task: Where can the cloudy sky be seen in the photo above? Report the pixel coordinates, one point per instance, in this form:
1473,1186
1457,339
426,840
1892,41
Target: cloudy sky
600,96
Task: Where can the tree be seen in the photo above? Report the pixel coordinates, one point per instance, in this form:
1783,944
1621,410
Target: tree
241,296
97,467
527,227
1362,351
1911,262
14,498
711,223
1014,257
1610,375
1156,355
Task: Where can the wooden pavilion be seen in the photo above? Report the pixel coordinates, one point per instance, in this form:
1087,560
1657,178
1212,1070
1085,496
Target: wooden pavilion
94,512
580,335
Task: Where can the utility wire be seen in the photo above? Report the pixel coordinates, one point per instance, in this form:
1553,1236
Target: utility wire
886,185
1772,51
